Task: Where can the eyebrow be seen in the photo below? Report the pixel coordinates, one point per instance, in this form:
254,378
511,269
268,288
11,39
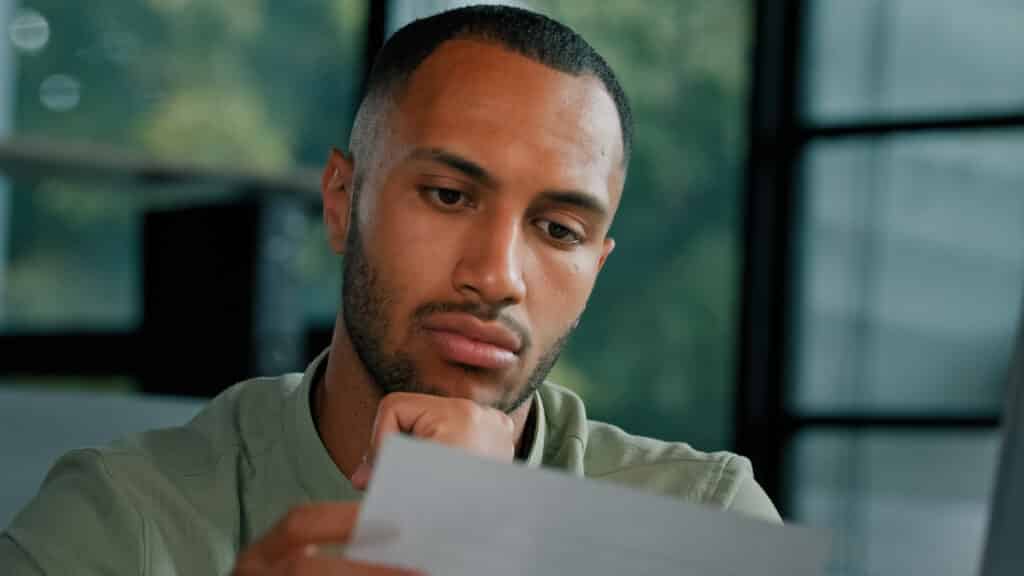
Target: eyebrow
477,172
456,162
578,199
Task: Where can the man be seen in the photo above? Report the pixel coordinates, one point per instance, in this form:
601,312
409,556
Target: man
487,160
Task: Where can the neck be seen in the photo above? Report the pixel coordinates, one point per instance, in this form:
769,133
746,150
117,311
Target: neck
345,404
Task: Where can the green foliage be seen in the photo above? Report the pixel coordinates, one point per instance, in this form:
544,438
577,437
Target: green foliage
265,85
655,350
247,84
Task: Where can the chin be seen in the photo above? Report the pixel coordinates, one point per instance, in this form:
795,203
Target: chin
476,384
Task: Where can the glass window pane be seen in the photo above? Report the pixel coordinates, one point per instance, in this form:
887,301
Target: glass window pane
318,269
186,82
257,85
878,58
404,11
74,251
74,254
896,503
655,351
911,272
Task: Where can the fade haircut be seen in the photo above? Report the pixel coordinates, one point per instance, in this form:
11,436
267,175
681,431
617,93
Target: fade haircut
530,34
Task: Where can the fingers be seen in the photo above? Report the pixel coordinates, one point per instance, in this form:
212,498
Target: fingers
313,563
456,422
399,412
292,546
328,522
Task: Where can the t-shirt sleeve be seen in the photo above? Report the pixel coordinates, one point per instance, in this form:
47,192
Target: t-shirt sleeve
750,499
80,522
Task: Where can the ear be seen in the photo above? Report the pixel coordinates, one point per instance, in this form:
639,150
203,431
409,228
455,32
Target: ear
609,245
336,191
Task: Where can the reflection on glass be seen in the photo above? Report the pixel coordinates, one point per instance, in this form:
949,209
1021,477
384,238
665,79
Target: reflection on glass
29,31
240,86
896,503
872,58
259,85
74,257
60,93
404,11
911,274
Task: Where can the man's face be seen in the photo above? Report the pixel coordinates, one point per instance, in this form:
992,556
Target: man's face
481,224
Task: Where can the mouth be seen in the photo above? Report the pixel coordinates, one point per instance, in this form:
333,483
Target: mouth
464,339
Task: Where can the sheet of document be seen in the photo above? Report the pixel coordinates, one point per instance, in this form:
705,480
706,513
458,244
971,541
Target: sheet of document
446,512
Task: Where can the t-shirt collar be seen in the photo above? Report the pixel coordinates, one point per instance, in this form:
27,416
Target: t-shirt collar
317,472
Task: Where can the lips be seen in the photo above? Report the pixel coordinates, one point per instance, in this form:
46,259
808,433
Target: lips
463,339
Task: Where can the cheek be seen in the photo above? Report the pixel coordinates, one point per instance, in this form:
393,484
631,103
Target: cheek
424,245
559,291
413,251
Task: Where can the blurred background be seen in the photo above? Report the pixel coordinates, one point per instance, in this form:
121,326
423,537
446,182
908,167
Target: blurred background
820,256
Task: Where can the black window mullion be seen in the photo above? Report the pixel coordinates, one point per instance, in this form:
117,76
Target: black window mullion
70,353
876,420
898,126
770,204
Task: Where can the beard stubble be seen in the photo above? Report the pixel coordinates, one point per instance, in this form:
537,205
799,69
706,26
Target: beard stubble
365,302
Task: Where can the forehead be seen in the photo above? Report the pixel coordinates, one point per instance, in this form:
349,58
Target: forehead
504,109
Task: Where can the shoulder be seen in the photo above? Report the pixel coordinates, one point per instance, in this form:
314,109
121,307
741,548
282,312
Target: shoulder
106,535
244,419
177,483
719,479
232,430
208,460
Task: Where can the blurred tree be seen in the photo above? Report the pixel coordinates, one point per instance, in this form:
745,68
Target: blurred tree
265,85
655,352
248,84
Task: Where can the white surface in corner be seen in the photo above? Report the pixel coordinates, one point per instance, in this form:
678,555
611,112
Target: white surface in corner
38,426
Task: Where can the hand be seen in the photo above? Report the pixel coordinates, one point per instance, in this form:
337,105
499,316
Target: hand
451,421
292,545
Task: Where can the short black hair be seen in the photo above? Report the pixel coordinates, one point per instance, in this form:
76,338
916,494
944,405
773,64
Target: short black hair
530,34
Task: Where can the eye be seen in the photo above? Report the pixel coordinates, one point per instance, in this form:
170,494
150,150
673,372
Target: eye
446,197
559,232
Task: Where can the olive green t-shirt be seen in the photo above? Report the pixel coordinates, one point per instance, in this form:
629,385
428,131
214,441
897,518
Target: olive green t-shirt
185,500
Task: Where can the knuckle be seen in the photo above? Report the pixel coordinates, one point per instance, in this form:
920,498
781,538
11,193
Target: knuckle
469,410
506,422
394,398
499,419
439,429
293,522
386,402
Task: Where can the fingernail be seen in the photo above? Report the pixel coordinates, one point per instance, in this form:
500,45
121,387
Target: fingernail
310,550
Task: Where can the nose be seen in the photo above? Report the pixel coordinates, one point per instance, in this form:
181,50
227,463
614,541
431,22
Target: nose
490,269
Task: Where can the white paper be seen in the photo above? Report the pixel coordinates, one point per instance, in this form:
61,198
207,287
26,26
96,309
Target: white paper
440,510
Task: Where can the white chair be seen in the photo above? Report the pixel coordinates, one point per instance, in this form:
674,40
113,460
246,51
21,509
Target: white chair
39,425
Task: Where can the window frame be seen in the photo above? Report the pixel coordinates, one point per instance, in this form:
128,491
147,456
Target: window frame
780,136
